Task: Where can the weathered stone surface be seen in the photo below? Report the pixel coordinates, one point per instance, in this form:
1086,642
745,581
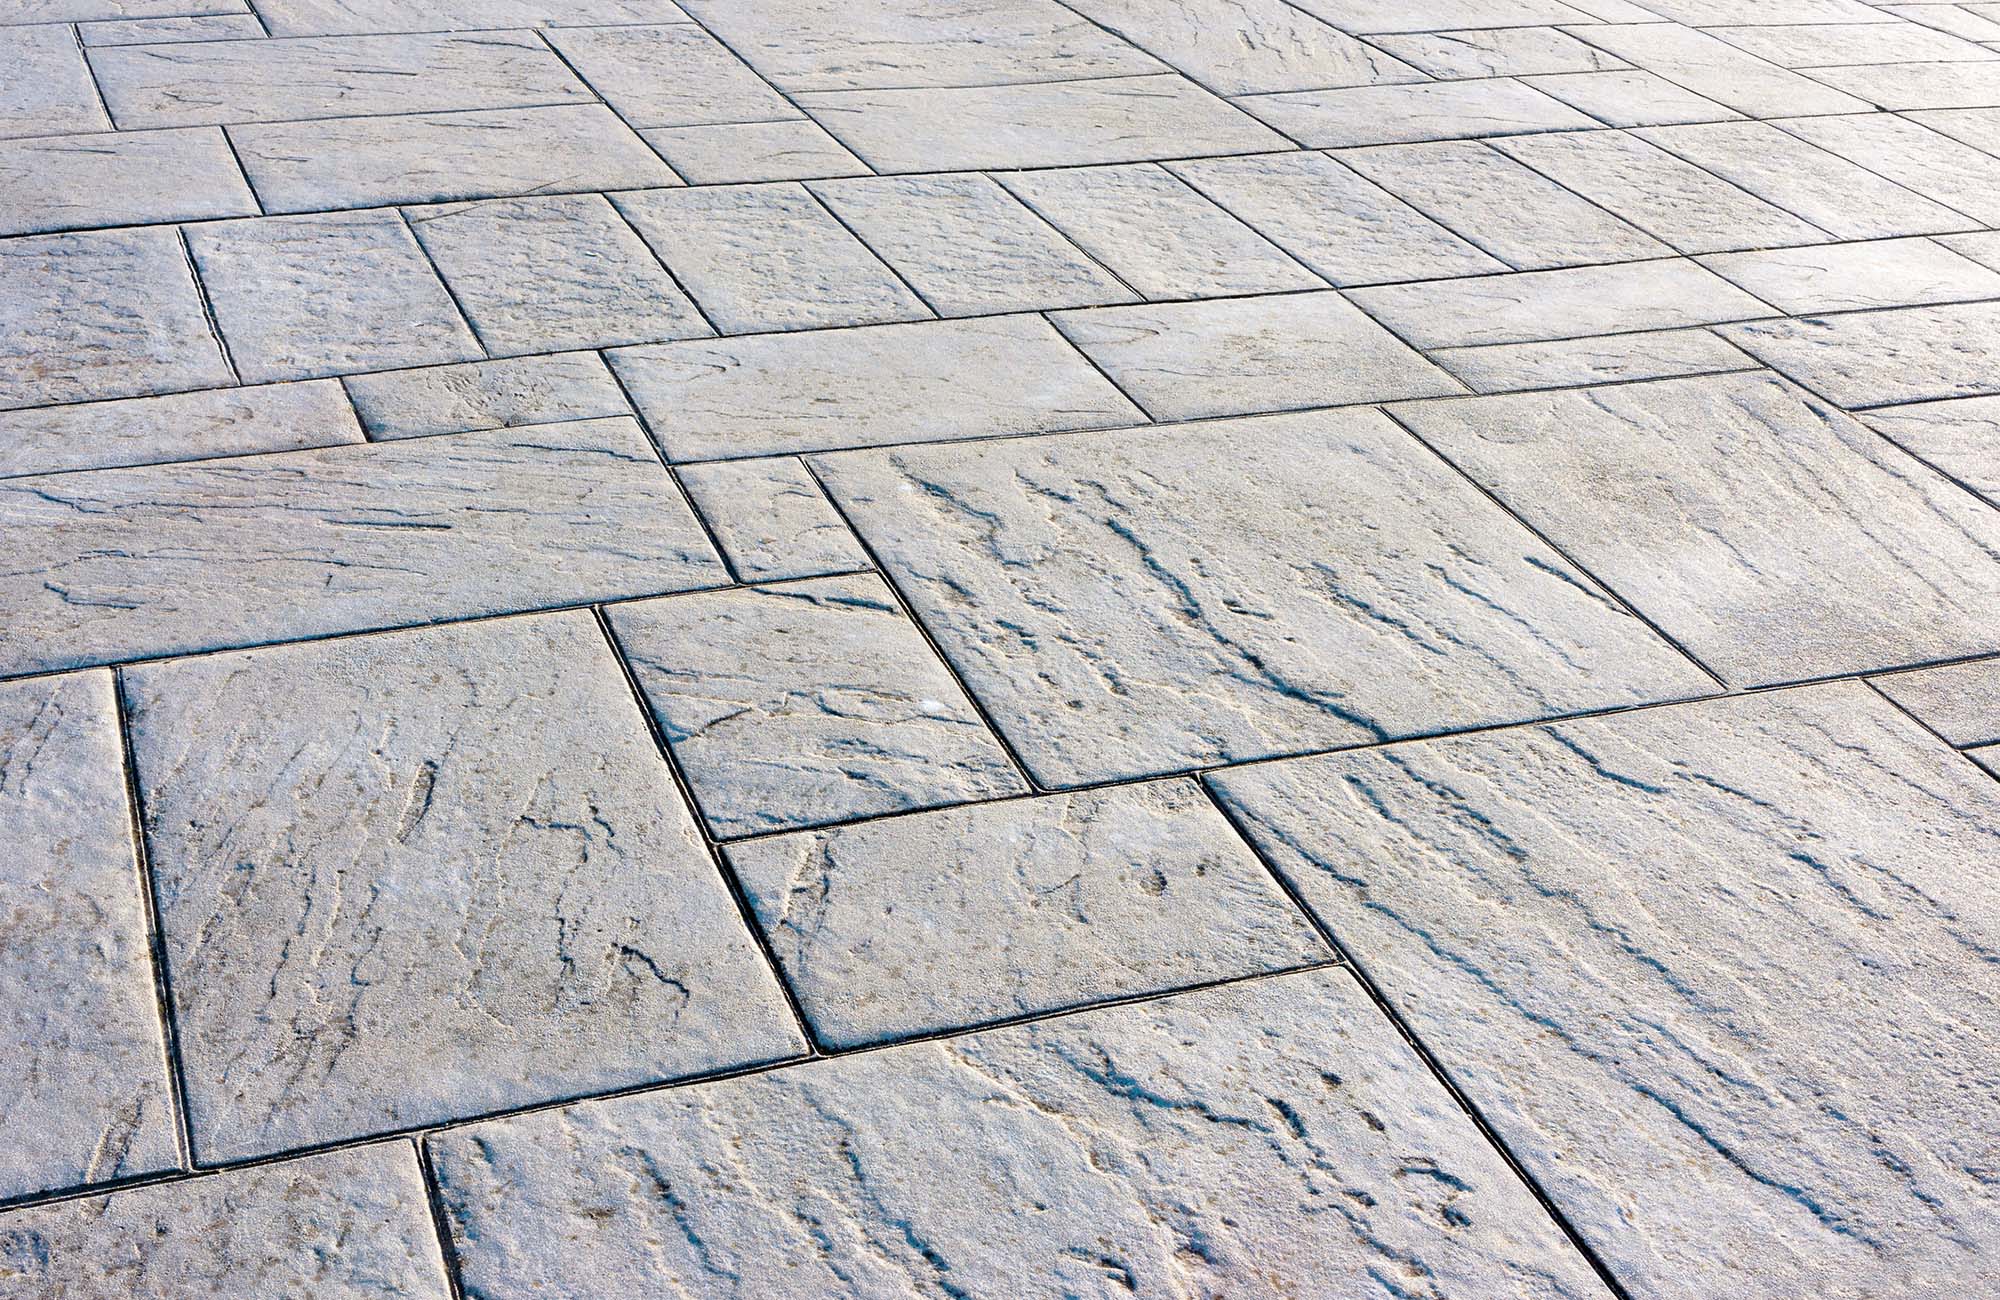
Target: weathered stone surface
1707,970
808,703
1847,277
1630,98
162,31
180,426
1911,354
1273,1137
1701,63
1240,47
1978,127
75,182
926,382
83,1065
1908,86
69,11
754,151
1497,52
1331,119
456,846
45,85
342,17
1961,702
1933,164
1612,358
1370,17
1749,524
674,75
1152,600
486,395
1960,436
130,563
771,519
1819,45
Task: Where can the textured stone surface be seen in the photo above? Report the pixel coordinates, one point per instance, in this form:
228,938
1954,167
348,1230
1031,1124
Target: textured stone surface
1077,587
754,151
1912,354
45,86
1497,52
1927,161
1565,363
75,182
771,519
1918,85
1331,119
675,75
486,395
1699,62
161,31
1630,98
1240,47
1960,436
456,846
1961,702
1707,970
343,17
1373,17
1848,277
179,426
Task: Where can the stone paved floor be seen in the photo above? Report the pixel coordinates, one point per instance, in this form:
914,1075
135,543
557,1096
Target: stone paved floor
999,648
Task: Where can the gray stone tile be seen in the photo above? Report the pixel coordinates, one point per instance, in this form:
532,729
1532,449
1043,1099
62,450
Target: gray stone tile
1910,354
1372,16
1238,47
430,157
1156,234
353,17
771,519
74,182
175,427
1960,436
486,395
1904,86
1958,19
69,11
1343,226
106,314
1569,363
553,274
454,845
768,257
968,246
1934,165
1630,98
924,382
163,31
1190,1142
45,86
1776,538
754,151
298,297
1816,45
1699,62
1713,13
1333,119
82,1053
333,76
1978,127
133,563
1147,601
1498,52
676,75
807,703
1706,970
1960,702
1846,277
347,1225
1073,123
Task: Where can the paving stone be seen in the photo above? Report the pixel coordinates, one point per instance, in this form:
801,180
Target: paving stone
81,1047
1368,17
1960,437
1164,1130
133,563
1910,354
346,1225
334,76
754,151
768,257
675,75
1238,47
1846,277
1818,45
486,395
968,246
1343,226
430,157
1713,13
1749,520
1934,165
771,519
69,11
344,17
808,703
1978,127
1570,363
45,86
553,274
1333,119
174,427
1918,85
1957,19
1630,98
163,31
105,314
1074,123
1157,235
1700,63
1087,594
1960,702
925,382
1706,970
75,182
454,845
1497,52
298,297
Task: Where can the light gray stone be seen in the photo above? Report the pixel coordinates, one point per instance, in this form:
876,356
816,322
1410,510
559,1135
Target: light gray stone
1906,86
925,382
1630,98
1148,601
69,11
1698,62
1960,702
345,17
768,257
347,1225
1933,164
45,86
1713,13
1957,19
1960,436
1910,354
676,75
754,151
163,31
178,426
486,395
132,563
1819,45
1497,52
1271,1138
83,1062
1845,277
1978,127
771,519
1444,110
298,297
1982,247
1708,971
1240,47
457,846
1569,363
75,182
1745,518
808,703
1369,17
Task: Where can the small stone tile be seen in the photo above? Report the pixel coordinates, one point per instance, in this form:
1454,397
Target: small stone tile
347,1225
1497,52
1747,522
1333,119
1698,62
486,395
432,157
75,182
1164,1131
1960,702
454,845
1818,45
808,703
1370,17
968,246
1905,86
1151,600
1708,971
83,1064
45,86
1960,437
175,427
103,314
1919,157
164,31
1570,363
298,297
1630,98
771,519
925,382
1240,47
1846,277
345,17
735,152
553,274
676,75
768,257
1910,354
136,563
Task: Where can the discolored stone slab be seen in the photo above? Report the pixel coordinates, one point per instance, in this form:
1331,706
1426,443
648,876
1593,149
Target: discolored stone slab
1630,98
1961,702
45,86
76,182
1848,277
771,519
1699,62
1911,354
675,75
1605,359
1333,119
735,152
179,426
1961,436
486,395
1240,47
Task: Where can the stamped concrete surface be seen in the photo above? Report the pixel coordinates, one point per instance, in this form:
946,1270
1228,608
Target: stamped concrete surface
999,648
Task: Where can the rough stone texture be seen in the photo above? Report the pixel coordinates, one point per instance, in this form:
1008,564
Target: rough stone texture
1848,277
1707,970
1073,583
1332,119
771,519
1372,17
1961,702
1497,52
341,17
486,395
45,85
180,426
1931,163
669,76
162,31
1240,47
1960,437
455,846
1630,98
754,151
1912,354
1699,62
78,181
1568,363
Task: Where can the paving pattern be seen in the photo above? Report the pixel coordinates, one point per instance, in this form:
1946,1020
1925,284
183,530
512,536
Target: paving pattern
984,648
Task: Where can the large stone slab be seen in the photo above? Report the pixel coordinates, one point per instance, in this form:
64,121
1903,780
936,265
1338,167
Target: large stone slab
1873,358
76,182
1933,164
1400,114
45,86
69,11
1906,86
1370,17
1630,98
1857,276
1605,359
1154,600
132,563
1496,52
456,846
1707,970
165,30
1706,66
676,75
344,17
1241,47
178,426
1961,702
486,395
771,520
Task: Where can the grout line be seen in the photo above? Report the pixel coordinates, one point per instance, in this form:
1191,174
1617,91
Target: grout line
90,75
673,474
820,201
236,155
444,282
440,1221
715,331
207,308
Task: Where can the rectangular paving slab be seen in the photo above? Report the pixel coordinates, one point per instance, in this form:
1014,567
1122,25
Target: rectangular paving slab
737,152
1701,63
1873,358
1630,98
1335,119
1605,359
341,17
1921,158
486,395
76,182
1240,47
45,86
676,75
1961,702
177,426
1853,277
771,520
1961,436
